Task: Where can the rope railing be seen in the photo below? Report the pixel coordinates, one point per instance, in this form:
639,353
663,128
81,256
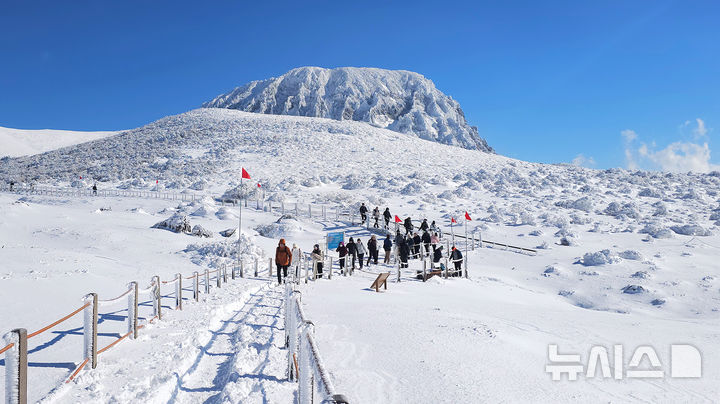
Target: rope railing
16,358
304,363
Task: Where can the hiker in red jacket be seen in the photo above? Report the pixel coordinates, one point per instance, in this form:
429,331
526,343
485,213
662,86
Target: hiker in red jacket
283,257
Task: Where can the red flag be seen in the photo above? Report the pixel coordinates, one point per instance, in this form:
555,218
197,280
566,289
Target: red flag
452,220
258,185
245,174
397,219
157,181
81,177
467,217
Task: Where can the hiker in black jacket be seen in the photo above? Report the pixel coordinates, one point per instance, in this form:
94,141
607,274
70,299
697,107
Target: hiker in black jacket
417,241
426,240
457,259
387,216
372,250
424,225
404,253
352,251
408,226
387,246
363,213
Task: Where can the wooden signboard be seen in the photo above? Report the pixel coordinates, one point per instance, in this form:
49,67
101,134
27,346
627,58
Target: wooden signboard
380,281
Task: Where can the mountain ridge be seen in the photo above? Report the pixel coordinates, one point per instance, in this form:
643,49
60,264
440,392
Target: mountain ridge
398,100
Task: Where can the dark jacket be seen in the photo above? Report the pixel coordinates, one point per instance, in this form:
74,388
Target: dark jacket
417,240
372,245
363,209
437,255
342,251
408,224
387,244
351,248
456,255
404,251
387,214
426,238
424,226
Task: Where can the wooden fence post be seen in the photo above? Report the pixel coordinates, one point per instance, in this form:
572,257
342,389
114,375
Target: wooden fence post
90,329
218,277
207,281
424,270
232,272
242,269
270,267
133,310
16,368
196,287
178,292
330,269
157,301
256,267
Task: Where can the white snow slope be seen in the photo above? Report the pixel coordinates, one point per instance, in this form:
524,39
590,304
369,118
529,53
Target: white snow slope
24,142
398,100
484,339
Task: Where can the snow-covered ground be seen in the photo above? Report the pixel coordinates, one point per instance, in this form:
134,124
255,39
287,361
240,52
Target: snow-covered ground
639,267
25,142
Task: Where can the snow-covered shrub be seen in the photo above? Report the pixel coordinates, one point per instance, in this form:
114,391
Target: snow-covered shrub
536,232
551,270
656,231
584,204
691,230
199,185
620,211
177,223
284,226
200,231
660,209
633,289
412,188
650,193
631,255
599,258
640,275
447,195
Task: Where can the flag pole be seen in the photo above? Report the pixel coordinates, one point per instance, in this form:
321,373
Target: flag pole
239,220
466,245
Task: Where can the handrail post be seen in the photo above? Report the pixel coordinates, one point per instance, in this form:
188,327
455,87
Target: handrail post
224,273
256,267
232,272
157,301
242,268
207,281
218,277
330,268
270,267
424,270
90,329
16,367
196,288
133,310
178,292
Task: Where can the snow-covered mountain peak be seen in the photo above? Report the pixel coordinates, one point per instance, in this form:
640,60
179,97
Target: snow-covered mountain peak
398,100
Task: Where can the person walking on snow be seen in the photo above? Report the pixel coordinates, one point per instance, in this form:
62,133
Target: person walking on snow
283,257
342,252
318,258
424,226
387,216
376,216
426,239
457,259
296,262
408,226
411,245
417,241
387,246
434,228
361,251
94,189
434,241
352,251
363,213
403,253
373,250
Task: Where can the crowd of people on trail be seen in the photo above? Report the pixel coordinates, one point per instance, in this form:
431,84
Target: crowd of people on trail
357,253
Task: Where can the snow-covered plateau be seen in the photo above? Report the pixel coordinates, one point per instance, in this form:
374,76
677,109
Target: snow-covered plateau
623,258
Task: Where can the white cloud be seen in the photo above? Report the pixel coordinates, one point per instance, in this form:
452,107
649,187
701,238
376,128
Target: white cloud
680,157
701,130
629,136
581,161
676,157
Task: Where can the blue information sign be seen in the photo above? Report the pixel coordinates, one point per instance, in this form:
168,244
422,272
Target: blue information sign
334,239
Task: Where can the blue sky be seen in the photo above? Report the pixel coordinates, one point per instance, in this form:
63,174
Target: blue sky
543,81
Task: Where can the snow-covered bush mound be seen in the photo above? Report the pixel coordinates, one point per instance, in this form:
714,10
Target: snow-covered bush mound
177,223
656,231
200,231
225,252
286,225
584,204
625,210
398,100
634,289
691,230
600,258
631,255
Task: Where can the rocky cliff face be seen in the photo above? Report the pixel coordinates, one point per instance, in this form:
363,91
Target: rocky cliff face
398,100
